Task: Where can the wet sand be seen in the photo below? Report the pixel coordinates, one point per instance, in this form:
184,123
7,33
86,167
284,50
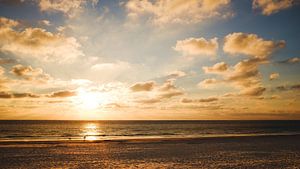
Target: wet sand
230,152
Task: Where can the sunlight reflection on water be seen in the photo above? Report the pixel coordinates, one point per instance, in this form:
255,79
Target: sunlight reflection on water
90,131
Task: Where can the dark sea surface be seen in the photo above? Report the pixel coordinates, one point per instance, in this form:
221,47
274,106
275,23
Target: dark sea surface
109,130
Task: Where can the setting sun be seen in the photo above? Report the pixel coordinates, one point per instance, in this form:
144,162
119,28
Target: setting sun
88,100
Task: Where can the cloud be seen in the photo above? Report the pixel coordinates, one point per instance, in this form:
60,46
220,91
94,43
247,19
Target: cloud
244,75
148,101
251,45
200,46
176,74
7,23
111,71
29,73
45,22
288,87
162,12
62,94
154,93
274,76
207,82
269,7
217,68
170,93
204,100
67,7
142,86
253,91
37,43
7,95
291,60
168,90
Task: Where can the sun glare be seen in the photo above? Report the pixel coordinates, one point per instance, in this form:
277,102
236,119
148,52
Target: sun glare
88,100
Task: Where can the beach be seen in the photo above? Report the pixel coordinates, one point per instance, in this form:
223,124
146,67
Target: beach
281,151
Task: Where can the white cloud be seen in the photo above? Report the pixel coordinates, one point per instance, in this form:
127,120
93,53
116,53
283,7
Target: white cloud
274,76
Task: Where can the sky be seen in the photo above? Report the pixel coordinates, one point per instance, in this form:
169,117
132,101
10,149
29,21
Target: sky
149,59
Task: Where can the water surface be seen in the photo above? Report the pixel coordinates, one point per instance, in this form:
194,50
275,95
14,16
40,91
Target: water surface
107,130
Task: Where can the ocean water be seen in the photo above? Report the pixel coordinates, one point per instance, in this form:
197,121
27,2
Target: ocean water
109,130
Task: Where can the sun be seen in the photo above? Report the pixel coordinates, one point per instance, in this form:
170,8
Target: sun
88,100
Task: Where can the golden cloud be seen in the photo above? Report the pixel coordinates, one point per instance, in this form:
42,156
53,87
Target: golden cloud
148,101
8,95
37,43
207,82
217,68
64,93
200,46
69,8
142,86
251,45
162,12
253,91
156,93
31,74
203,100
244,75
269,7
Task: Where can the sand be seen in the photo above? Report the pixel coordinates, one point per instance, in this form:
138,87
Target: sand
231,152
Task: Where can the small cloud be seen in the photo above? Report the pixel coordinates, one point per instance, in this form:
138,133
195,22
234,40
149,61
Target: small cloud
62,94
196,47
148,101
291,60
8,95
69,8
30,74
168,90
269,7
288,87
45,22
207,82
142,86
274,76
203,100
217,68
176,74
253,91
171,93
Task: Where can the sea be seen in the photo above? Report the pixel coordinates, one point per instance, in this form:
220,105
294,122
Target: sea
46,130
